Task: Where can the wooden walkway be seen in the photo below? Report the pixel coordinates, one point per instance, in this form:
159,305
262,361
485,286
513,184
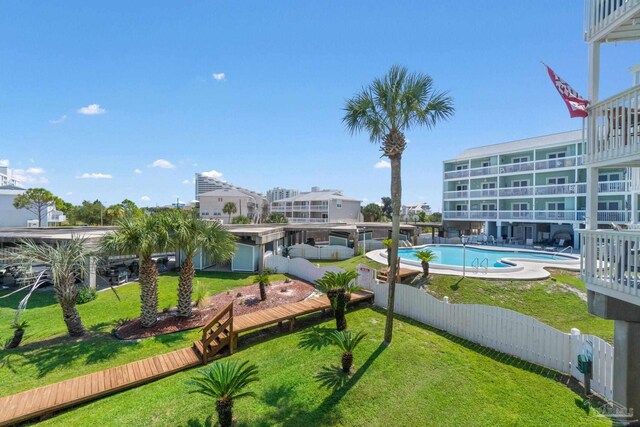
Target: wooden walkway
54,397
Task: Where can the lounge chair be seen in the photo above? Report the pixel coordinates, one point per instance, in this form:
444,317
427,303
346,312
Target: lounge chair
529,243
491,240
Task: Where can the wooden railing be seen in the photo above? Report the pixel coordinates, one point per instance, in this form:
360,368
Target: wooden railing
215,327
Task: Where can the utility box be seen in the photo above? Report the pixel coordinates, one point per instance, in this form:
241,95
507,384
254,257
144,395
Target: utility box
584,364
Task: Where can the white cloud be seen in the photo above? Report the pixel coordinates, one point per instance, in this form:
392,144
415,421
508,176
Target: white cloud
382,164
186,182
145,198
29,176
163,164
92,109
95,175
212,174
61,119
69,193
35,171
4,162
137,171
218,76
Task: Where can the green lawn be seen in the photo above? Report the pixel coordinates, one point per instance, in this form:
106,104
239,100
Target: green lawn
424,378
550,301
48,356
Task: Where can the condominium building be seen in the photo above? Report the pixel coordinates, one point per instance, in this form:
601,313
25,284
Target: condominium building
530,190
318,206
213,193
6,177
611,258
278,193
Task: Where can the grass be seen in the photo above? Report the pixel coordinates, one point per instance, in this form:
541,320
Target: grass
553,301
47,355
425,377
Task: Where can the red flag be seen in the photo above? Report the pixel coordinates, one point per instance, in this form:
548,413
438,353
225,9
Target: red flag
576,104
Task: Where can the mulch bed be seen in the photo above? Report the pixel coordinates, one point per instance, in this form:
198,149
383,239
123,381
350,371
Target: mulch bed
245,300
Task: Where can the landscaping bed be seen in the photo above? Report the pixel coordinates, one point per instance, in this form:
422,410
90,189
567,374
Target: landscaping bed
245,300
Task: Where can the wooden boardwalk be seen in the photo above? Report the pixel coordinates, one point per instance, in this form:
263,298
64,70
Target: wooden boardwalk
54,397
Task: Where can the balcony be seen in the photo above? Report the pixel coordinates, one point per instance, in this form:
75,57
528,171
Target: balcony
517,215
450,195
300,208
307,220
487,193
562,162
610,263
464,173
488,170
517,167
614,187
516,191
555,215
611,20
483,214
456,214
560,189
613,130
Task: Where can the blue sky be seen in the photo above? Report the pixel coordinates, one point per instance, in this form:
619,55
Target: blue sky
254,90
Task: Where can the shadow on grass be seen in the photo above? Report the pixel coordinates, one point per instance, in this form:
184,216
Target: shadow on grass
208,422
315,338
456,285
39,299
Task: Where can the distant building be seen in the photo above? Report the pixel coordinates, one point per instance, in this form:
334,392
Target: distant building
415,209
278,193
12,217
318,206
210,190
6,177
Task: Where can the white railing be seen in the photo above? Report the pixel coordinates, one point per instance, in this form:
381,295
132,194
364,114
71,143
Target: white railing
602,14
614,187
562,162
320,252
610,263
555,215
463,173
516,191
614,216
517,167
456,214
613,127
483,214
486,170
520,215
463,194
305,220
546,190
483,193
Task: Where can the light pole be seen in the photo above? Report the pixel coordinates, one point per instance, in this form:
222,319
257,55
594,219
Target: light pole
464,240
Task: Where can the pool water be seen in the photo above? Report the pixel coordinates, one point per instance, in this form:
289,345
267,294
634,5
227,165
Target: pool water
453,255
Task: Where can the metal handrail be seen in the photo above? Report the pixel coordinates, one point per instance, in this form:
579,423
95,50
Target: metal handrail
482,262
568,248
475,263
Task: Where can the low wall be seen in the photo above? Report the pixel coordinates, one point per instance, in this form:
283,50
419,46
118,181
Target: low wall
335,252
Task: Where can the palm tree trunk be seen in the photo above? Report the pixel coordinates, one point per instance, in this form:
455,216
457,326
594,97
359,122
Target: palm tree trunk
224,406
341,307
72,318
396,200
425,268
347,361
185,287
148,292
263,291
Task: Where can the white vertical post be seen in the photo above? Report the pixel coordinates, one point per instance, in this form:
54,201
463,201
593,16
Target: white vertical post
591,222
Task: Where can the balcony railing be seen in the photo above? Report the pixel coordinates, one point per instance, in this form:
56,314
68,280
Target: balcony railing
613,127
608,19
519,215
610,263
483,214
484,193
516,191
487,170
555,215
300,208
614,187
306,220
448,195
508,168
456,214
562,162
560,189
464,173
517,167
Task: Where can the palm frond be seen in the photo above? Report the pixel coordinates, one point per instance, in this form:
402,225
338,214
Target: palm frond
226,379
346,340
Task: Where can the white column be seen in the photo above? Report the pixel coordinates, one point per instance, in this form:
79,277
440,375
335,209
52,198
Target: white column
90,279
594,72
592,199
634,208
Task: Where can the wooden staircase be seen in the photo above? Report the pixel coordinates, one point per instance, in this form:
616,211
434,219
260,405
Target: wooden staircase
216,335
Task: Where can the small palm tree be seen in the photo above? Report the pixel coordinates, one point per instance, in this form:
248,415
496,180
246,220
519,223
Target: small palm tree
188,234
338,287
229,208
386,109
426,256
225,381
67,260
143,237
263,279
347,342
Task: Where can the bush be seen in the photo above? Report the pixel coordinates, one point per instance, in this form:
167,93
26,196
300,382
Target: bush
85,295
200,295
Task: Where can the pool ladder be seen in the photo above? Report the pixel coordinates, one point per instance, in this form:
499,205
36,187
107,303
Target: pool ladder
478,264
568,248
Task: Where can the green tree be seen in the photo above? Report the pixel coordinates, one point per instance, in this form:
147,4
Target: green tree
276,218
67,260
131,210
387,208
188,234
241,219
426,256
435,217
422,216
347,342
263,280
386,109
338,287
225,382
229,208
114,213
372,213
35,200
91,213
143,237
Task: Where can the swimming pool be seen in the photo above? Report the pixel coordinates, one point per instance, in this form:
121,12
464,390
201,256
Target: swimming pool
452,255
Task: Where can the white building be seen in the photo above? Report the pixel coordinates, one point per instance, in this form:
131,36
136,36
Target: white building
415,209
610,258
532,190
212,204
318,206
258,203
278,193
6,177
12,217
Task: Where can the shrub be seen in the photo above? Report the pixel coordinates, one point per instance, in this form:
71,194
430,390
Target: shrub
85,295
200,295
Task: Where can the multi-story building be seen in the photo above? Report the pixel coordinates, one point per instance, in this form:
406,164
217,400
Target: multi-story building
278,193
12,217
318,206
6,177
531,190
257,205
415,209
611,258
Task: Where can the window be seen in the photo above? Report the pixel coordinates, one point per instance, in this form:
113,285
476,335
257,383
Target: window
555,206
613,176
520,207
461,187
338,203
556,155
520,159
488,206
488,185
613,205
219,199
461,207
486,164
558,180
462,167
522,183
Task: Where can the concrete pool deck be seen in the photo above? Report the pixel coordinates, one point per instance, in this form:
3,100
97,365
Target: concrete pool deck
524,269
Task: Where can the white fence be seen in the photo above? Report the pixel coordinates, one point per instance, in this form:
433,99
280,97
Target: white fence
320,252
298,267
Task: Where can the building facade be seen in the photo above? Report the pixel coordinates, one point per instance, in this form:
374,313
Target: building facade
6,177
12,217
531,191
212,204
278,193
318,207
611,258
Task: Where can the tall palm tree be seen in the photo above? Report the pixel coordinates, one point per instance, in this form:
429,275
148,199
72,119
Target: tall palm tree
426,256
229,208
347,342
188,233
143,237
386,109
225,381
338,287
67,260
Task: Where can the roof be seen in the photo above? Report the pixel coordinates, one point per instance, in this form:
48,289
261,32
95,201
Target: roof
521,145
317,196
11,187
228,192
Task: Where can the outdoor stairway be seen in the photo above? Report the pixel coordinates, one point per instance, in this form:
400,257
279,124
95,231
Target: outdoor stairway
216,335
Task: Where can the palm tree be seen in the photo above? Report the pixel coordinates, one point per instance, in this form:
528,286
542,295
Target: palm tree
67,260
386,109
426,256
347,342
225,381
338,287
188,234
143,237
229,208
263,280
